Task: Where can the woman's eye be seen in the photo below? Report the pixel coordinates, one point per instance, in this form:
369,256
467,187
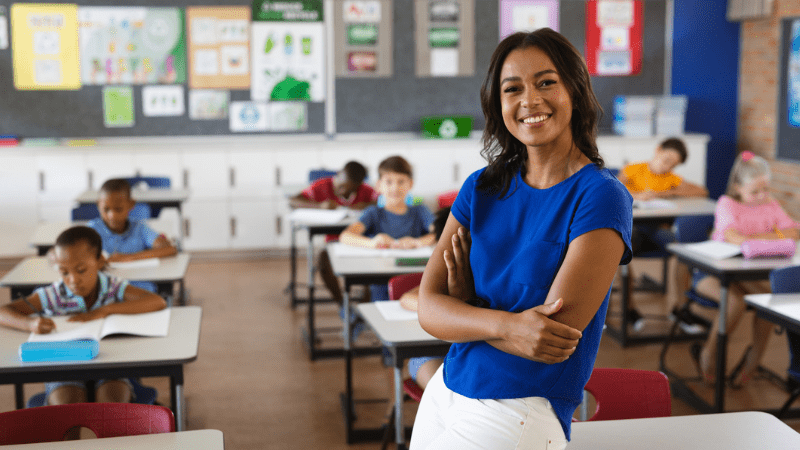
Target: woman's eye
510,89
548,82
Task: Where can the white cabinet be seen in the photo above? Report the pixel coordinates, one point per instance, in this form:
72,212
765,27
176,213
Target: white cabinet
205,174
163,162
205,224
251,174
62,176
18,214
252,224
104,165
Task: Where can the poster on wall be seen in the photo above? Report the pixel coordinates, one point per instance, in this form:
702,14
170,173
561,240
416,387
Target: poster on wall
162,101
132,45
363,35
288,116
793,75
118,106
219,47
3,28
445,35
45,46
527,15
249,116
287,51
614,37
208,104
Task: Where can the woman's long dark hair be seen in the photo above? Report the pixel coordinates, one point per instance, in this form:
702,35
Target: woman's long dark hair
504,153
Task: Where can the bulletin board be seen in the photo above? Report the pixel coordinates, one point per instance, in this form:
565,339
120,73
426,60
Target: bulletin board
391,102
788,139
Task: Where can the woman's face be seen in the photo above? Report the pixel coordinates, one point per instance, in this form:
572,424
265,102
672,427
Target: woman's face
536,106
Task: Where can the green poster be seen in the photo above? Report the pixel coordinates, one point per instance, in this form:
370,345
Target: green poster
118,106
287,10
362,34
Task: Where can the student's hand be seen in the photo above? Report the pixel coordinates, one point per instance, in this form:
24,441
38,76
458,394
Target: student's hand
533,335
42,325
460,283
119,257
328,204
87,316
643,195
382,240
406,243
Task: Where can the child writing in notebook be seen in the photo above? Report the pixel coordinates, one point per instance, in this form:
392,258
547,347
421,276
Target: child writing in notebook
86,293
345,189
746,211
396,224
125,239
650,180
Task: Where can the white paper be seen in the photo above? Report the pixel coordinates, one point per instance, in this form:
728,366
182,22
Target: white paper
360,11
3,32
163,101
615,38
70,331
249,116
614,62
204,30
208,104
715,249
318,216
655,203
234,30
444,62
206,62
349,251
234,60
612,13
138,264
288,116
152,324
391,310
529,17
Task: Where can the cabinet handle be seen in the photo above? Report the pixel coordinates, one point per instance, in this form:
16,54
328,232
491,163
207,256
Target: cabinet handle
277,176
232,176
186,228
233,227
41,181
185,178
279,225
90,179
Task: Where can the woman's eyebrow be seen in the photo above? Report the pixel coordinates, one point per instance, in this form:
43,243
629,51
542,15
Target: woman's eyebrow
536,75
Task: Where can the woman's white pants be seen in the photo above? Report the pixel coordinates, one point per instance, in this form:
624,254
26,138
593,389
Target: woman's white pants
447,420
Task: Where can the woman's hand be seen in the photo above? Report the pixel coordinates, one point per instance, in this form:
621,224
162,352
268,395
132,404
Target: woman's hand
42,325
87,316
531,334
460,283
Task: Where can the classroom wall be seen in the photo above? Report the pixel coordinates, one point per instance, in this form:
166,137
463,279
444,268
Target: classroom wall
758,99
705,64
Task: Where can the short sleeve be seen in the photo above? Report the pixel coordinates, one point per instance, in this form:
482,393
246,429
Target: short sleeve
675,180
724,217
366,194
147,234
369,218
47,296
314,192
607,205
629,171
426,218
462,206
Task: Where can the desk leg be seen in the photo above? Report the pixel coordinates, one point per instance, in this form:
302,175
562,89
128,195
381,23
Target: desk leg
398,402
179,244
293,264
181,292
348,366
176,394
722,349
19,395
312,332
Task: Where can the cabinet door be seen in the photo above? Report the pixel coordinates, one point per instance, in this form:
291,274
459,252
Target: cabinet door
293,166
205,174
283,232
205,225
163,162
18,211
252,224
251,174
61,177
104,165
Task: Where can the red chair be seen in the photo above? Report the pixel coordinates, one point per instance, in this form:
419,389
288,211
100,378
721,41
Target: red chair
447,198
51,423
629,394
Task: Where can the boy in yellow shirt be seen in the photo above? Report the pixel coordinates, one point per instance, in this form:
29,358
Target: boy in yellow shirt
655,179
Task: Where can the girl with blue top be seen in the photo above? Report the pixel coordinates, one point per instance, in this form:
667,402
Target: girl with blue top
538,235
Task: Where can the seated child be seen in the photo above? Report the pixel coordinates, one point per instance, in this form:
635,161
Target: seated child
395,225
85,293
655,179
125,239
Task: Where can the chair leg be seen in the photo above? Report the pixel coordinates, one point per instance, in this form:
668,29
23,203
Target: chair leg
389,431
788,403
662,360
664,275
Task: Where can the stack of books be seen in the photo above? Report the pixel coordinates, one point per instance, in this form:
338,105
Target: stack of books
8,140
645,115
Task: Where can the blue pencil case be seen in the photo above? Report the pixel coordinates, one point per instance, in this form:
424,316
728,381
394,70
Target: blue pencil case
81,350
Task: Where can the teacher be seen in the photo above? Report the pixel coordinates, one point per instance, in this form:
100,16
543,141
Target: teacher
548,226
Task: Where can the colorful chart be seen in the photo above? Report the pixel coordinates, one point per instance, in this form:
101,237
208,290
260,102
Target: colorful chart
288,61
45,46
219,47
131,45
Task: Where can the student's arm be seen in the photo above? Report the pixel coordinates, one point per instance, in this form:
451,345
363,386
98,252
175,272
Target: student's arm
17,315
410,242
300,201
361,205
134,301
736,237
529,334
685,189
162,248
410,300
354,235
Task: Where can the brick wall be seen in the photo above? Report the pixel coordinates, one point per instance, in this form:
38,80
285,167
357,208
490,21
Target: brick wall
758,100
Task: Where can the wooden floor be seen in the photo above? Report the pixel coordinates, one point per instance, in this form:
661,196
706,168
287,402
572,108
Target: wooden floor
253,379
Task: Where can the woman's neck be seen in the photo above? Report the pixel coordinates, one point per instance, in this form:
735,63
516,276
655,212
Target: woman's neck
547,167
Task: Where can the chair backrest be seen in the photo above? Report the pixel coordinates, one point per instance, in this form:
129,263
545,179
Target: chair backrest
151,182
400,284
316,174
629,394
51,423
446,199
785,280
140,211
693,228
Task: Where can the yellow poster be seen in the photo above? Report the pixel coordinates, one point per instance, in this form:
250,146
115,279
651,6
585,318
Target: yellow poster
219,47
44,42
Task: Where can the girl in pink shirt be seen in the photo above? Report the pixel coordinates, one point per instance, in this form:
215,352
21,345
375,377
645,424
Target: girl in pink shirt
746,211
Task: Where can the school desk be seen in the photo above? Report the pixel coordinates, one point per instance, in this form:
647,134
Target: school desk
35,271
669,211
119,357
374,267
321,223
727,270
44,237
179,440
404,339
156,197
748,430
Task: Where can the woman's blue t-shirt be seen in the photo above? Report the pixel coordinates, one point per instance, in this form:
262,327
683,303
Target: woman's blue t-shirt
518,245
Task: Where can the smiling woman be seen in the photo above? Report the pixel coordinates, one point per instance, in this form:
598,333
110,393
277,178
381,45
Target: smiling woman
535,239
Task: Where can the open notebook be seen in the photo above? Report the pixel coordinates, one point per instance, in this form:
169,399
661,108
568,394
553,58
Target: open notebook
152,324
